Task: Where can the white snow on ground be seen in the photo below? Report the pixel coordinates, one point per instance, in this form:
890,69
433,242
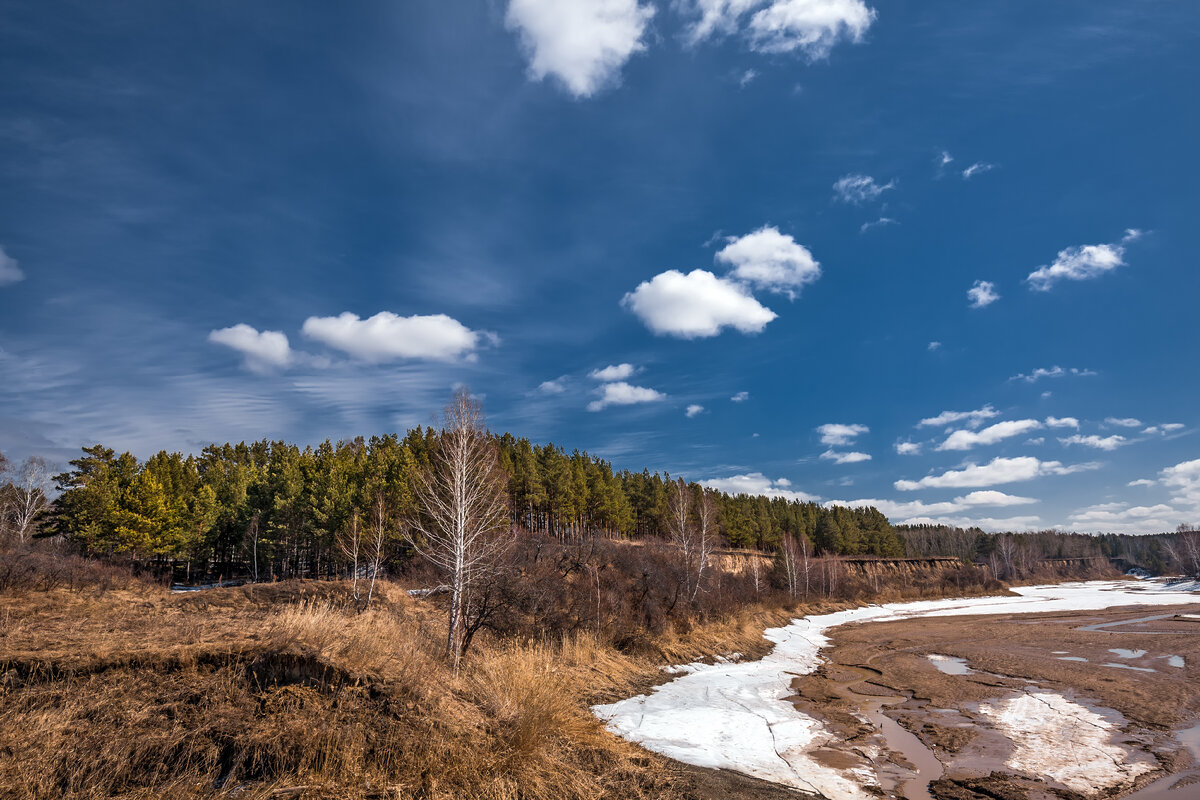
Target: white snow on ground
1058,739
735,717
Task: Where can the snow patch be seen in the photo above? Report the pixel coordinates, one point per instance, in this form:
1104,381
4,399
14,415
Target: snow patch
1062,740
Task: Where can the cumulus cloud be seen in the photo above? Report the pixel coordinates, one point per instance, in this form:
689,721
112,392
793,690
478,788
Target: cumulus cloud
845,458
1184,481
770,260
1062,422
613,372
555,386
387,337
1127,518
757,484
965,440
1171,427
698,304
991,497
1124,422
972,419
1082,263
996,472
693,410
809,27
1052,372
975,169
982,293
859,189
582,43
1098,442
263,350
908,448
623,394
9,271
1142,482
740,397
836,433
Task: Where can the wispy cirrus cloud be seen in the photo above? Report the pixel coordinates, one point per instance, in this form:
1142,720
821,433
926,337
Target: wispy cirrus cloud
1052,372
10,272
857,189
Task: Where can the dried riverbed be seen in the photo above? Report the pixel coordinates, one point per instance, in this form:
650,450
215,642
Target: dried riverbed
982,718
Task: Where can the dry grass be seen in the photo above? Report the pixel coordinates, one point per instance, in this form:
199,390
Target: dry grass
148,694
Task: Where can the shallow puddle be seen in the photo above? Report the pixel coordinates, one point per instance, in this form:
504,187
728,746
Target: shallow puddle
950,665
1121,652
1072,658
1127,666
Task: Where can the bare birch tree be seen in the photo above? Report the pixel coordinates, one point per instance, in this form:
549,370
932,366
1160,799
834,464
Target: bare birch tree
706,534
789,553
29,496
463,527
694,541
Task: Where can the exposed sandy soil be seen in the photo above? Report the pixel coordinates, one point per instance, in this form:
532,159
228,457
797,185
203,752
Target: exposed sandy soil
1013,659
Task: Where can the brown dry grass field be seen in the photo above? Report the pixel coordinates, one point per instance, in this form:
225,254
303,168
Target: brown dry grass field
282,691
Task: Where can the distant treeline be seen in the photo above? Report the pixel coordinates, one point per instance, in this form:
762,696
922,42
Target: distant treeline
1013,555
277,509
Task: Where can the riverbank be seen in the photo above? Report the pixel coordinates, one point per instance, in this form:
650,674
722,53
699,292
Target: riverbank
737,716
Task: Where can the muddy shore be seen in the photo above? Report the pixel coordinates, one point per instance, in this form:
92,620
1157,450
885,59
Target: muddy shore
958,686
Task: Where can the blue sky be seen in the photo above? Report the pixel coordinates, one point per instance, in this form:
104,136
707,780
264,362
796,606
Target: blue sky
751,242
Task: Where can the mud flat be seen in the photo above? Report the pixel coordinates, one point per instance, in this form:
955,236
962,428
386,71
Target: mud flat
1082,703
982,719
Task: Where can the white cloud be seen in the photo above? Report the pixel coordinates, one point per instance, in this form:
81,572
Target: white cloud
975,169
9,271
1142,482
879,223
991,497
1184,480
740,397
1128,519
556,386
770,260
623,394
757,484
1053,372
1098,442
908,448
1124,422
965,440
812,27
973,419
933,346
698,304
996,472
989,524
693,410
613,372
747,76
715,16
859,189
1062,422
387,337
945,158
1036,440
263,350
1082,263
1171,426
583,43
836,433
845,458
982,293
